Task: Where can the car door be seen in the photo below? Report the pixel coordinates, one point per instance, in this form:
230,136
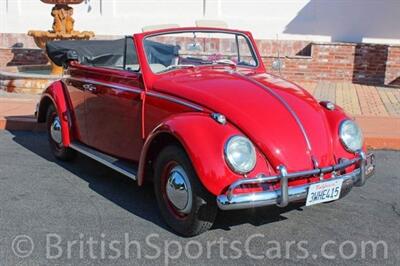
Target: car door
77,96
114,107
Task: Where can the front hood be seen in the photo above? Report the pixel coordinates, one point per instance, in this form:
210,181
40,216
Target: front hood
282,120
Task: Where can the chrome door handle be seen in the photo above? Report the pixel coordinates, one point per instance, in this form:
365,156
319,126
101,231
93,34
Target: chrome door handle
89,87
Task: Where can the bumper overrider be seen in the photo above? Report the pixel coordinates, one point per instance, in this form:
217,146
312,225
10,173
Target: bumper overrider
365,168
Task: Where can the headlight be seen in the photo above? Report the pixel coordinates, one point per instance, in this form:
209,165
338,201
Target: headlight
240,154
350,135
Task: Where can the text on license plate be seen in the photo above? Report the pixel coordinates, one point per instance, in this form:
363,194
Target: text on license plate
324,191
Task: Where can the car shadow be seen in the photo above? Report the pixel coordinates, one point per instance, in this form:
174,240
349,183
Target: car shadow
226,220
139,201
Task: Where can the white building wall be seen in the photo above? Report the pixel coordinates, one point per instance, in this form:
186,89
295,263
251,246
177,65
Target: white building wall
318,20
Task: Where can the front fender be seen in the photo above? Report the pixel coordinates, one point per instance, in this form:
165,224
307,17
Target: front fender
55,94
335,118
203,140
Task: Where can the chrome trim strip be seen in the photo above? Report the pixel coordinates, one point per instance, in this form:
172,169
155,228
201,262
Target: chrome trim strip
118,87
285,104
102,161
155,94
175,100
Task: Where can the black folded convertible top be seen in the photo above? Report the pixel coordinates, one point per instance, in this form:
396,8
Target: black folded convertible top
107,52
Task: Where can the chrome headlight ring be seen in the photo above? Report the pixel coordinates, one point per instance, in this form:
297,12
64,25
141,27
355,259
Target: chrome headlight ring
240,154
350,135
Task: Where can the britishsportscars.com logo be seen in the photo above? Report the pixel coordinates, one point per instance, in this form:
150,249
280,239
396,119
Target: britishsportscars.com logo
153,247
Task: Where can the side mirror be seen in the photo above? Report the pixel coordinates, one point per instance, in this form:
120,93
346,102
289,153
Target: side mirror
70,57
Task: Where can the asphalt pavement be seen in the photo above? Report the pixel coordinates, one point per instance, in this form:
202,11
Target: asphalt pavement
82,213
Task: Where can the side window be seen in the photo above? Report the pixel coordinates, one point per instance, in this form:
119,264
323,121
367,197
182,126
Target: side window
116,54
130,57
245,54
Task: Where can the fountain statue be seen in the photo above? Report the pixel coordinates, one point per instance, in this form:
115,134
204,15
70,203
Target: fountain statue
63,28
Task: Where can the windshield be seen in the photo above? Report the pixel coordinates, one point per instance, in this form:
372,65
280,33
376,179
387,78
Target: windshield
170,51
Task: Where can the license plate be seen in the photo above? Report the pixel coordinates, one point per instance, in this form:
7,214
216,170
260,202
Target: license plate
324,191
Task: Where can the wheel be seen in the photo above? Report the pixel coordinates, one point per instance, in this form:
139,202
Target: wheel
55,136
186,206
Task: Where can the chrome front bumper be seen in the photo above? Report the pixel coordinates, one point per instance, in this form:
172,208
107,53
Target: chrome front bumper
283,196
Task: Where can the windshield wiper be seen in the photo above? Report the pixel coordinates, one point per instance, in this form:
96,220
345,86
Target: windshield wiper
225,62
170,67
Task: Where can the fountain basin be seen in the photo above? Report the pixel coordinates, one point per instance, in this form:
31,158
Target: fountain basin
26,79
35,79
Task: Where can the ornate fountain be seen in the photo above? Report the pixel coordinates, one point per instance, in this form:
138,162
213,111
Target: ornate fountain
63,28
33,79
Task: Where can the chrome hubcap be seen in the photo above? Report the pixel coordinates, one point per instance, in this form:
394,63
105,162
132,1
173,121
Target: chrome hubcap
55,130
178,189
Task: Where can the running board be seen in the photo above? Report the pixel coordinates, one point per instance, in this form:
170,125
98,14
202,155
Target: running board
121,166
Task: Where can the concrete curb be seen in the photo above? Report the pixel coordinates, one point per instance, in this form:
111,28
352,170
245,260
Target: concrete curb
380,132
382,143
23,123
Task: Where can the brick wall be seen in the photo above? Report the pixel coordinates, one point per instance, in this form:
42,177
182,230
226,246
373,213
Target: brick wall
393,66
301,60
357,63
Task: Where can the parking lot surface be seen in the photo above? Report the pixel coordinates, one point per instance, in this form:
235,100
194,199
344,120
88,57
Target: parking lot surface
82,213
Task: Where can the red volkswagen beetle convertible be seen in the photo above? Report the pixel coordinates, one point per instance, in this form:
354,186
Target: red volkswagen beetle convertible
193,111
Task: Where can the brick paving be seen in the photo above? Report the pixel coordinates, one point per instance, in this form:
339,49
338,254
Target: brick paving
391,100
17,111
376,109
346,97
356,99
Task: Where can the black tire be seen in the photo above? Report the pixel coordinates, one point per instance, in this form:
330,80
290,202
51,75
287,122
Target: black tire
58,149
204,209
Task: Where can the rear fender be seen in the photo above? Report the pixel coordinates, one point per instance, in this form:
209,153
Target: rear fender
56,94
203,140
